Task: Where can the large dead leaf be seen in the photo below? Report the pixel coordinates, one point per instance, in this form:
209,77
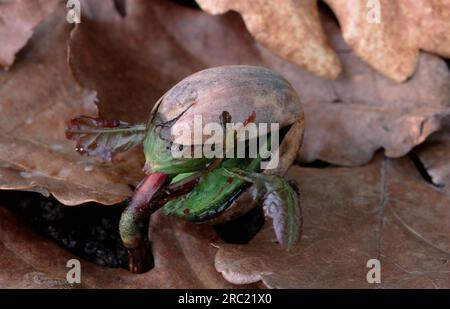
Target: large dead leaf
435,156
291,29
348,119
37,98
136,50
383,210
183,259
18,19
405,26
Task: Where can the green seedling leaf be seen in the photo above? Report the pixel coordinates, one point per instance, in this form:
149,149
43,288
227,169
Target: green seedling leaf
281,203
104,138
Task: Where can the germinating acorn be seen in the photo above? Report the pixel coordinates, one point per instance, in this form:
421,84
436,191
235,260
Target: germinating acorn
210,175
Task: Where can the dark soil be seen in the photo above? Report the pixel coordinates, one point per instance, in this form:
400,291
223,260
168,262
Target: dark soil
242,229
91,231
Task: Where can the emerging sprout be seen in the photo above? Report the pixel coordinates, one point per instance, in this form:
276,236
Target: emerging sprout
196,186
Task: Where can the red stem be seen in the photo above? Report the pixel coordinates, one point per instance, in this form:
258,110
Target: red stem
137,212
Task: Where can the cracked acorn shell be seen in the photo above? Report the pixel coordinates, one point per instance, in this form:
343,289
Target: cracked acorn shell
240,90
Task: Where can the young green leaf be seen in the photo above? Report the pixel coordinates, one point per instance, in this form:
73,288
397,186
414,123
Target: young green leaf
281,203
104,138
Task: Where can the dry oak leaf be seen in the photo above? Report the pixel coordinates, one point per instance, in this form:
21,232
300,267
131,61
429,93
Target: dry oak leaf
290,29
37,97
18,19
392,45
182,251
350,118
135,61
435,157
384,210
347,119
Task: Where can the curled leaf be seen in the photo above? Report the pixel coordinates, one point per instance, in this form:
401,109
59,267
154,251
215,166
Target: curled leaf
104,138
281,203
388,35
290,29
434,155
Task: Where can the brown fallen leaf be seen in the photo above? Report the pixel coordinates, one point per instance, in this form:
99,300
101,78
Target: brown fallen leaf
350,118
384,210
18,21
435,157
37,98
392,45
183,259
290,29
136,51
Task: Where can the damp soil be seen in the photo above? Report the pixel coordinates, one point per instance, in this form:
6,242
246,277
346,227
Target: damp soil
91,232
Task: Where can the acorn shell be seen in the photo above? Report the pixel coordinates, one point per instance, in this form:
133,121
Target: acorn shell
241,90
